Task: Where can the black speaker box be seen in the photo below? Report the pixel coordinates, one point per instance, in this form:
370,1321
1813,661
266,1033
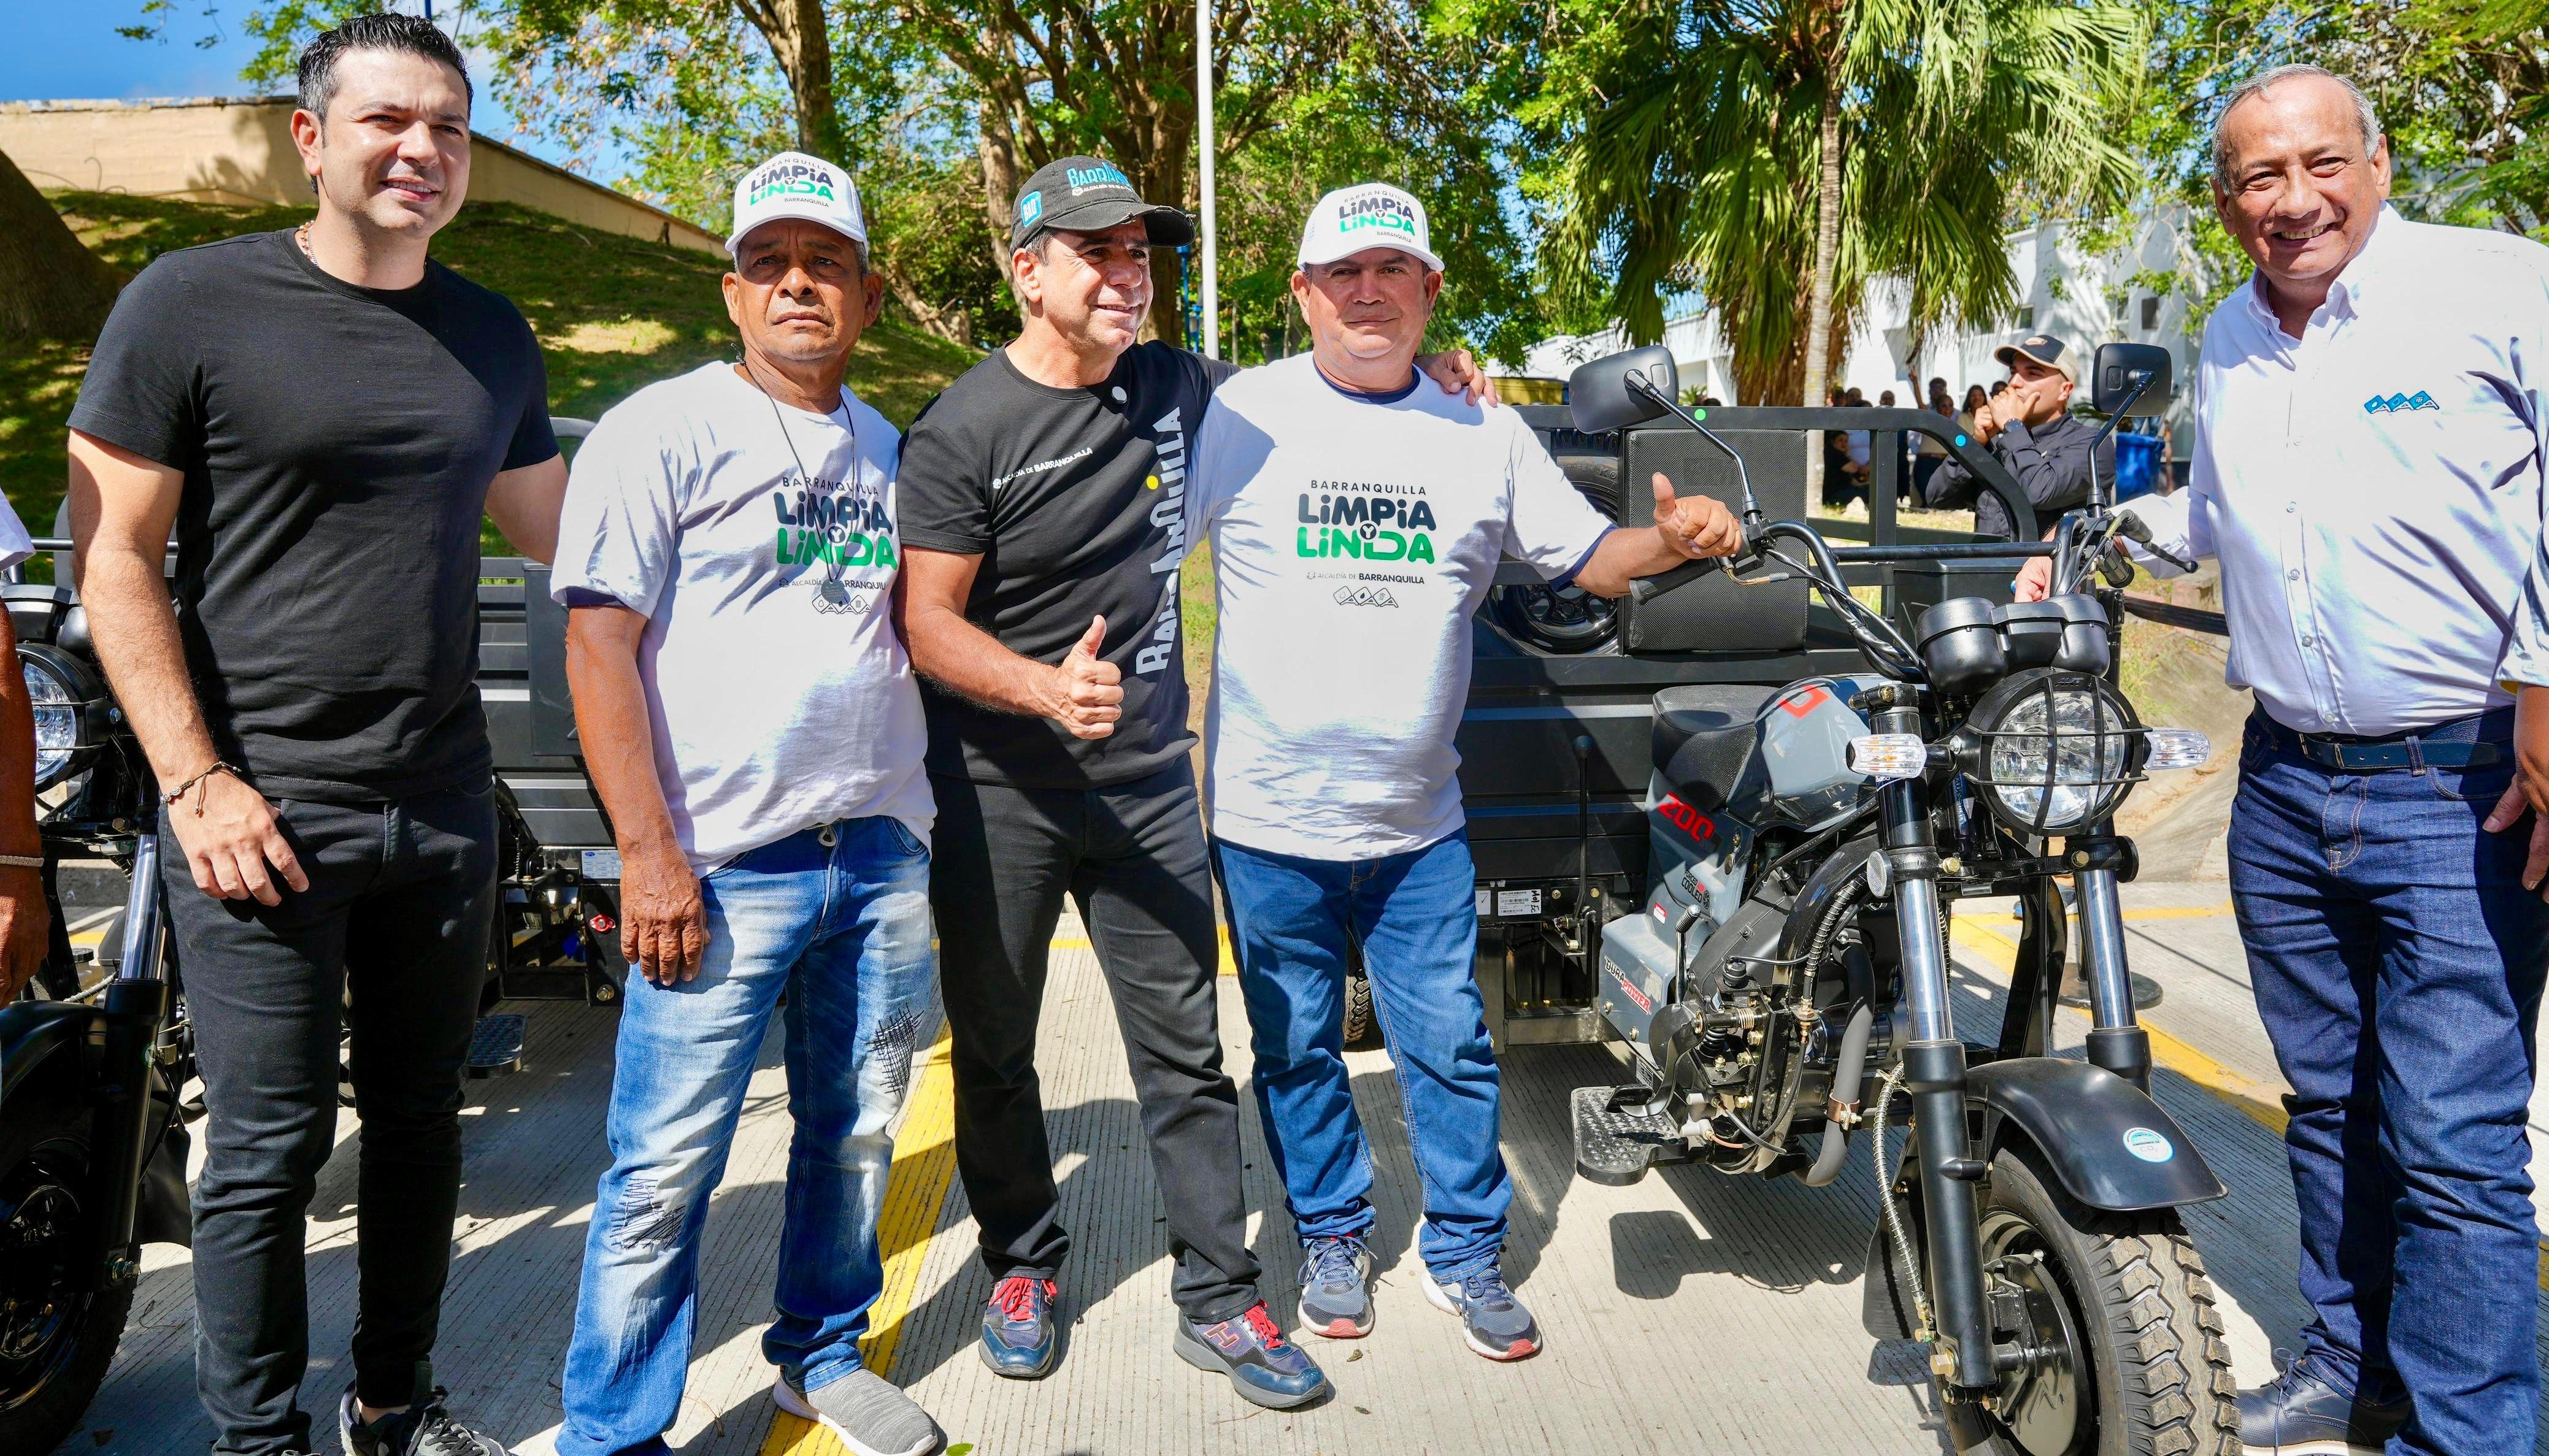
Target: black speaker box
1712,613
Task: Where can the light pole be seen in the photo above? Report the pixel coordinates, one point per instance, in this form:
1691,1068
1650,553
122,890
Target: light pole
1203,116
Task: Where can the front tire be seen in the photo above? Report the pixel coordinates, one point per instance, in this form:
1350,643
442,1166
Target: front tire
55,1343
2131,1359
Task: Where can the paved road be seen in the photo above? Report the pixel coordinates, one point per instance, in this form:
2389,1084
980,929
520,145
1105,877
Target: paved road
1691,1311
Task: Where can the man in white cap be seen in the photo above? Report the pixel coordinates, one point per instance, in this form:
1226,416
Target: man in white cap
752,725
1357,521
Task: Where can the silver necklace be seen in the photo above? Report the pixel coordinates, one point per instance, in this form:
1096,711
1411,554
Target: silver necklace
830,594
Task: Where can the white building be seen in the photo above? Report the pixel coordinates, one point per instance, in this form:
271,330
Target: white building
2085,298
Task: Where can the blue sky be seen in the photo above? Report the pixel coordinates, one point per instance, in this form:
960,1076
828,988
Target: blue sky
64,52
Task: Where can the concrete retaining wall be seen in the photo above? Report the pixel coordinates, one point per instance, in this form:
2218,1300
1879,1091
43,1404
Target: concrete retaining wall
240,150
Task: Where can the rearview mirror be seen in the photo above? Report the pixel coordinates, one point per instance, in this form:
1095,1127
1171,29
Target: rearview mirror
2119,369
1604,394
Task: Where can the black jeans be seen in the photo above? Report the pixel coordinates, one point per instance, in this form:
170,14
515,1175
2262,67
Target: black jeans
398,906
1132,858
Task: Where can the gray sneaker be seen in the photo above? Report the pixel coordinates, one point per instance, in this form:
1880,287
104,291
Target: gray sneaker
1492,1321
865,1412
1336,1295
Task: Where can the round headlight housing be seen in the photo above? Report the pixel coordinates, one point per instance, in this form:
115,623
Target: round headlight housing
2053,752
63,690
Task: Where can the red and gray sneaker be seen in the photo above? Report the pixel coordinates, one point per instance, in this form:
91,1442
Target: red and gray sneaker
1336,1288
1492,1321
1020,1337
1264,1367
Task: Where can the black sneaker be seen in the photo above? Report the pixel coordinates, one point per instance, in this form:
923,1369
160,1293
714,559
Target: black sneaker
1264,1367
2299,1414
423,1430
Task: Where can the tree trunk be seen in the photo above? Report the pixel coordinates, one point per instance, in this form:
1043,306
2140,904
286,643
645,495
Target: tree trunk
51,287
1819,295
803,47
946,320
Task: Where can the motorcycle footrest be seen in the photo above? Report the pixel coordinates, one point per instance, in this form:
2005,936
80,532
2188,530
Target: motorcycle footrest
1616,1147
496,1047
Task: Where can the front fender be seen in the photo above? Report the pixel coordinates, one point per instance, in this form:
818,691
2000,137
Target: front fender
34,1033
2106,1142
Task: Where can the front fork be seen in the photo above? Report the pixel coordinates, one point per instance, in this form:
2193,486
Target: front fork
1933,1062
135,1003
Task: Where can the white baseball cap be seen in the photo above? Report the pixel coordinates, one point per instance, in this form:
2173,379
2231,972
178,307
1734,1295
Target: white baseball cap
1368,215
795,185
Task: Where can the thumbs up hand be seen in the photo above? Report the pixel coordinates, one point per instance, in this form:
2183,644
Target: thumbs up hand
1695,525
1085,693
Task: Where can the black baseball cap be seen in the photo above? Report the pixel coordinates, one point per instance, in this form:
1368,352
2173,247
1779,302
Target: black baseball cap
1086,194
2045,349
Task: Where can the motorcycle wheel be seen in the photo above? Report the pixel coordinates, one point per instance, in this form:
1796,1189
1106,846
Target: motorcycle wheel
2129,1356
55,1343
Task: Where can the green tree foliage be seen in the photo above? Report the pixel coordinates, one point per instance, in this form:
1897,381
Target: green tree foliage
1681,145
942,108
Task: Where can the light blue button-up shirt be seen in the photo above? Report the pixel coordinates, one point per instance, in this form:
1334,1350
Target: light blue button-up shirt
2374,490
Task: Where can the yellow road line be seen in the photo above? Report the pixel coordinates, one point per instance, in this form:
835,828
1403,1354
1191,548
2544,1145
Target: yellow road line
925,1167
2262,1104
2180,912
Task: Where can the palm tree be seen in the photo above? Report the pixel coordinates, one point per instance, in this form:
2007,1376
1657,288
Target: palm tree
1777,154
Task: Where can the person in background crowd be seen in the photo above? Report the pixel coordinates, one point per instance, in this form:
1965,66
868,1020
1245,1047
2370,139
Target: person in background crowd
752,728
2031,430
25,920
1040,499
322,413
1929,454
1336,818
2367,469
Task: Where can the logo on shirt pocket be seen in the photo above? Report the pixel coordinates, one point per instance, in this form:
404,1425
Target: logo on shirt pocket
2395,403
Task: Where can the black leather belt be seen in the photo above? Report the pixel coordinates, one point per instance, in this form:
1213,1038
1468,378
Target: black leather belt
2407,753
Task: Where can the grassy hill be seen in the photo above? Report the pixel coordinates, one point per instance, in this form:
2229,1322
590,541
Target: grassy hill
612,313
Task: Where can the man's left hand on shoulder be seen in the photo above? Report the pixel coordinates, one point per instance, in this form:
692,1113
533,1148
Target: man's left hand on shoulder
1457,372
2528,794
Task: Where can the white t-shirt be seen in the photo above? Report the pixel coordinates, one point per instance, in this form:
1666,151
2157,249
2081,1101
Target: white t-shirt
1353,538
758,540
15,545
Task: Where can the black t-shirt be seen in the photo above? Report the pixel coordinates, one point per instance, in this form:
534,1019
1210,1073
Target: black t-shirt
1074,499
338,444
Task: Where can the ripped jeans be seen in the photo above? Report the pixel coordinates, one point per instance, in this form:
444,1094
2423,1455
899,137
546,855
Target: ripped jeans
844,929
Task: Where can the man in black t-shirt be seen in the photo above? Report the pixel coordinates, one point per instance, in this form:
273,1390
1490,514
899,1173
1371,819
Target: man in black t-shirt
322,415
1042,500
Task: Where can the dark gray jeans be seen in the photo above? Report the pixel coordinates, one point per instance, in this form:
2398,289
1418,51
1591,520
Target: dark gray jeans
399,905
1132,857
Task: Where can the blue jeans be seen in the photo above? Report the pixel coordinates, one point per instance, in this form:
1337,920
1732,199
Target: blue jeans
2398,966
1415,915
843,928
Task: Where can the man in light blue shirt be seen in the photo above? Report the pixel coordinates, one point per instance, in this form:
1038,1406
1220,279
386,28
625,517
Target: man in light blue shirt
2368,470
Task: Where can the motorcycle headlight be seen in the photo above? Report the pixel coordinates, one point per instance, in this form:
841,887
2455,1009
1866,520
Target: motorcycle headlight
63,691
2054,752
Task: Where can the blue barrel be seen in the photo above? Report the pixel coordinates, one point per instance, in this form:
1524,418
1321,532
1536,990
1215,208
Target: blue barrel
2136,465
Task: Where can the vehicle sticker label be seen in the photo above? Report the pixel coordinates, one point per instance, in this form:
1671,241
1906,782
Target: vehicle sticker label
1517,903
2148,1144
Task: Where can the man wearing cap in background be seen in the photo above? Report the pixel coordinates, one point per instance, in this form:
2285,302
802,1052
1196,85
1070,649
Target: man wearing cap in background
1043,497
2029,428
752,726
1356,518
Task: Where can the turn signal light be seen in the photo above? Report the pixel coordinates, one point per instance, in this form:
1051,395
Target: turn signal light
2177,748
1888,756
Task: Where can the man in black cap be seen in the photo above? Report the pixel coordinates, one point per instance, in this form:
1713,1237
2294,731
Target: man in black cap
2029,426
1042,515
